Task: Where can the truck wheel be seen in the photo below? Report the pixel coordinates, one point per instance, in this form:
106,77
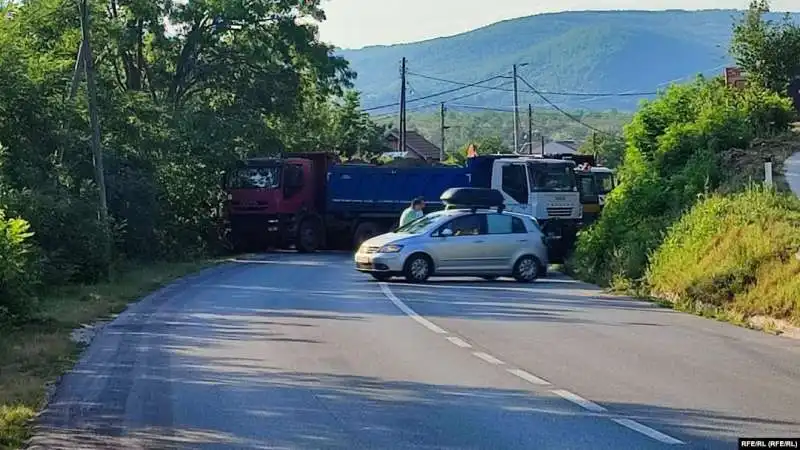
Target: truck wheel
365,231
527,269
309,236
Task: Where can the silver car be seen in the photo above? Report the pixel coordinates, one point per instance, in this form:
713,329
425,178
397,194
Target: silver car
458,242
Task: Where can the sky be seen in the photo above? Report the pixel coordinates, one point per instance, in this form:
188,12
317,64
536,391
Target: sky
359,23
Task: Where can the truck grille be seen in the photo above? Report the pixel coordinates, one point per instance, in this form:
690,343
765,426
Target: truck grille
559,211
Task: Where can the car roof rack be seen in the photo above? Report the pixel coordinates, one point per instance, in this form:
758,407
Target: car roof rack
473,199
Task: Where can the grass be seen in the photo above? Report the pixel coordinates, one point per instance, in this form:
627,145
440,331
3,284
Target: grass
34,354
732,257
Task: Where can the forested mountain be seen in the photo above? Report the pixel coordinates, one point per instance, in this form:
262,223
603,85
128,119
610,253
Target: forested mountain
589,52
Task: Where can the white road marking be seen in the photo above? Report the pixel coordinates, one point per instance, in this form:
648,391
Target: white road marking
410,312
488,358
459,342
647,431
529,377
578,400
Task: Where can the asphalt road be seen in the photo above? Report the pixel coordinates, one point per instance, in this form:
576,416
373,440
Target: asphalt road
294,351
792,169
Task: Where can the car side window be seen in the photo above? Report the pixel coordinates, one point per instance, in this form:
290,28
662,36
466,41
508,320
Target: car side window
504,224
499,224
518,226
471,225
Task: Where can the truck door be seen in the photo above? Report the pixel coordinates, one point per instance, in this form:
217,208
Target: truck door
514,186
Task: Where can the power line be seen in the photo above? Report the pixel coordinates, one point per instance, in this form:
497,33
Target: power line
435,94
570,116
452,99
572,94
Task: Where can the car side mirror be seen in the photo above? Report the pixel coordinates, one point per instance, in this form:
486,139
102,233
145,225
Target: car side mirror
447,232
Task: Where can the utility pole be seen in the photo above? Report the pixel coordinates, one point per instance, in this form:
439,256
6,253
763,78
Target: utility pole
85,61
594,143
516,112
530,129
443,128
403,106
542,144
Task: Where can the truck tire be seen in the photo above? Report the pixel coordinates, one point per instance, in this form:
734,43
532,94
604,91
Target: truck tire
365,231
309,236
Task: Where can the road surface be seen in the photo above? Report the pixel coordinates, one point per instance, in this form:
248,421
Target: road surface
299,351
792,169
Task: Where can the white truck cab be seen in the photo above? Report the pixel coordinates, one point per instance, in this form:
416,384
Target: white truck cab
542,188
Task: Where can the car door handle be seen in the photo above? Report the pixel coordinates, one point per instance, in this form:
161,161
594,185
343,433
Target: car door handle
522,240
479,241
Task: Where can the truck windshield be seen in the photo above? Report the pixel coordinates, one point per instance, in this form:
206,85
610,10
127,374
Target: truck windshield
255,178
605,182
420,225
551,177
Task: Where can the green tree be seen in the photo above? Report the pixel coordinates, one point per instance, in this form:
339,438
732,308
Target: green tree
768,51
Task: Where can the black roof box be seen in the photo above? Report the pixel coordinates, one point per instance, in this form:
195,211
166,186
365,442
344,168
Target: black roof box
473,198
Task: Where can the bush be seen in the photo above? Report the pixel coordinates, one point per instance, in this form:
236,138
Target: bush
735,252
17,275
68,234
674,148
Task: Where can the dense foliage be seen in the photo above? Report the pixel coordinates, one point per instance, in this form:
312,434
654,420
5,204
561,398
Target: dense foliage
737,253
767,49
177,104
673,154
583,51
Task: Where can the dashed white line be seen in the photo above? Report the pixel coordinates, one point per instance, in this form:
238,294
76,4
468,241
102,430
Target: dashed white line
647,431
488,358
529,377
459,342
410,312
578,400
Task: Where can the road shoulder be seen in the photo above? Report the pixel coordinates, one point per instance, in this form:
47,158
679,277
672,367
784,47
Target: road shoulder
33,356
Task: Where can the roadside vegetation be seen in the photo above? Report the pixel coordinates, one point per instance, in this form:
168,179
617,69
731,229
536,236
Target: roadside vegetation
176,107
687,224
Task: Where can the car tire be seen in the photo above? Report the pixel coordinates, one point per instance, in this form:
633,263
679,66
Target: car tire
309,236
527,269
490,277
381,276
418,268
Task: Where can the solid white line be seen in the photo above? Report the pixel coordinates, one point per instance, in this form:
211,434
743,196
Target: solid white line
647,431
578,400
529,377
410,312
488,358
458,341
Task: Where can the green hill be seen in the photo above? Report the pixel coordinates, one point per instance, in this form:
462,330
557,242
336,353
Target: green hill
590,52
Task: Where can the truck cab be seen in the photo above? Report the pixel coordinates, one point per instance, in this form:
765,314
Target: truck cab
542,188
274,202
594,184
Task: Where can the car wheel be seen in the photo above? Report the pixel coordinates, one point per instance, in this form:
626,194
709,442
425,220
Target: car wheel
418,268
527,269
490,278
381,276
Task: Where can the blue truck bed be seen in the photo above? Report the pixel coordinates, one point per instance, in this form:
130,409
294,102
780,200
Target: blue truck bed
374,189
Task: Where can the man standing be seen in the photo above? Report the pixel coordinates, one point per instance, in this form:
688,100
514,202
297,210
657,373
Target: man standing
413,212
